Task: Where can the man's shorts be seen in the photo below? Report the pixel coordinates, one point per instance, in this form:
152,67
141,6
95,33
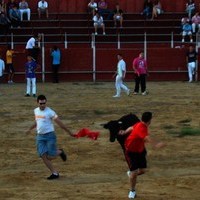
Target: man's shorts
98,24
46,143
136,160
187,33
10,68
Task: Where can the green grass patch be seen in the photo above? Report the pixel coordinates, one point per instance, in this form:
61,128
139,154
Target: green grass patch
185,131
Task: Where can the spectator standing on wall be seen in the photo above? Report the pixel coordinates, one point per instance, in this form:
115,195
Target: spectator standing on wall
191,58
43,8
98,23
118,15
56,59
92,7
190,8
195,22
140,70
103,9
23,8
32,47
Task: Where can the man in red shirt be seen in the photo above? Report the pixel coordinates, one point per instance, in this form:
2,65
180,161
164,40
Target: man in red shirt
135,149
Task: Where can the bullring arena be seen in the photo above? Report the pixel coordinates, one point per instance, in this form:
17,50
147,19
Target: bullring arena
96,169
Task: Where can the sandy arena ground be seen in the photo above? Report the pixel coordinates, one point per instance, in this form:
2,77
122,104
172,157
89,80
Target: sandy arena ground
97,169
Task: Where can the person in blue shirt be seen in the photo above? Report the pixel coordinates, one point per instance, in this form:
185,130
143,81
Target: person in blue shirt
30,68
56,60
187,30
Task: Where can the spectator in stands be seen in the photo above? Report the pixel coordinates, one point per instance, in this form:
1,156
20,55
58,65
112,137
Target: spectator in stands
157,9
196,22
103,9
23,8
10,5
4,24
32,48
2,6
190,8
15,18
92,7
148,9
187,30
98,23
118,15
56,58
43,8
30,68
191,58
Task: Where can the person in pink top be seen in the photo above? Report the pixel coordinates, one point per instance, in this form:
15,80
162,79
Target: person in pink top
195,22
140,70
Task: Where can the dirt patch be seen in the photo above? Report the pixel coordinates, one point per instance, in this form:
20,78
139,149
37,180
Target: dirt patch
97,169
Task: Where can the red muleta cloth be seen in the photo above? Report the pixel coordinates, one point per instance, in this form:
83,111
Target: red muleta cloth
86,132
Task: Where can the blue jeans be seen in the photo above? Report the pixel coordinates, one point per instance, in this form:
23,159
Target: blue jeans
46,143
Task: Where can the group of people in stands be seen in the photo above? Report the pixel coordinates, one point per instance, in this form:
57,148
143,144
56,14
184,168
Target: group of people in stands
100,12
14,12
191,21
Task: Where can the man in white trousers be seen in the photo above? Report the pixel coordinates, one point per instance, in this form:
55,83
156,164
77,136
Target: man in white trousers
191,58
120,75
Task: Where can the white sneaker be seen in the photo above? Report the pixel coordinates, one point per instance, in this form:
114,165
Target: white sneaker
128,173
116,96
191,40
183,40
135,93
128,92
96,33
144,93
132,195
104,33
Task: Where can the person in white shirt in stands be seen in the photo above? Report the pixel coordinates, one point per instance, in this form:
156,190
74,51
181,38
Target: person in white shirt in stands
43,8
98,22
23,8
196,22
92,7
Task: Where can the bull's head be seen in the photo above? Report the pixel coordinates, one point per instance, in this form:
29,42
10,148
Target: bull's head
114,127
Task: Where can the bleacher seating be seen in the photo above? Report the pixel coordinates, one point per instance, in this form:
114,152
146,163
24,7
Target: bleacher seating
78,28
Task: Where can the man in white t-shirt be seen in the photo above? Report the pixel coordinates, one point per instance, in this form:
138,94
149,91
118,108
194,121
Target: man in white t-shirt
46,136
120,75
43,8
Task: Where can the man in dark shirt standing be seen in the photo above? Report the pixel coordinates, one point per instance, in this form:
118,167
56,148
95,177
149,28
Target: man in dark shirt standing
191,58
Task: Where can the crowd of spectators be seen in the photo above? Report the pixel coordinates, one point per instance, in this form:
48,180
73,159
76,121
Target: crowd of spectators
14,12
